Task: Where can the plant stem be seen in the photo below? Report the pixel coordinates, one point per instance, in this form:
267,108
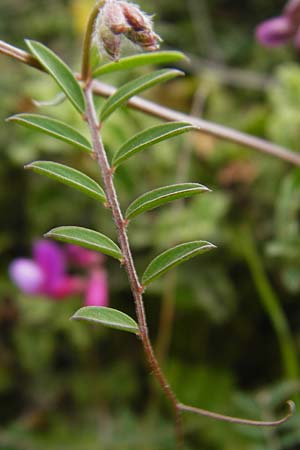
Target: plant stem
85,69
255,423
135,285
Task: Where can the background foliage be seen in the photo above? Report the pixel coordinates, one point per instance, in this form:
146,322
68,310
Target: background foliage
64,385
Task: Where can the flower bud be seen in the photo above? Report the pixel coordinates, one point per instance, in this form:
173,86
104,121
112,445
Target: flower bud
105,39
119,17
114,18
137,20
148,40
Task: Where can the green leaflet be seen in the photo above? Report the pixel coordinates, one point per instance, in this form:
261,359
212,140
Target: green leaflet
69,176
108,317
86,238
173,257
154,199
128,90
54,128
60,72
149,137
143,59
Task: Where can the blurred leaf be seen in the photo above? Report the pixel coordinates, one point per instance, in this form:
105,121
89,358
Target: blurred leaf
143,59
128,90
69,176
173,257
54,128
60,72
148,137
87,238
108,317
160,196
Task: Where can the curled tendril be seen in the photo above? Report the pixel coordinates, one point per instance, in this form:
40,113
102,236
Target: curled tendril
255,423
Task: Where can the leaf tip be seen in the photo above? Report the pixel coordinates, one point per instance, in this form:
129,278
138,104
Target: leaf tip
179,72
29,43
74,317
10,118
48,235
211,246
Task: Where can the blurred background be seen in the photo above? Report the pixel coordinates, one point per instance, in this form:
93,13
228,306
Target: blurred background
225,325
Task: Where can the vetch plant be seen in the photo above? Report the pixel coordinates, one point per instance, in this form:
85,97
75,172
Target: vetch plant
109,21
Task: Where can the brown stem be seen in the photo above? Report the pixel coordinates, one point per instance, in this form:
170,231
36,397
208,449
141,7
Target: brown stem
204,126
135,285
20,55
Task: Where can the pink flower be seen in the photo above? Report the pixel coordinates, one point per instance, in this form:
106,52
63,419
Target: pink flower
46,274
82,257
282,29
97,291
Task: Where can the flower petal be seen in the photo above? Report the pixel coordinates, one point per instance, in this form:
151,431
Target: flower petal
292,10
50,258
65,287
97,289
82,257
275,32
27,275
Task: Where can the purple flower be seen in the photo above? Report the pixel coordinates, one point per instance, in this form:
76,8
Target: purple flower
282,29
27,275
46,274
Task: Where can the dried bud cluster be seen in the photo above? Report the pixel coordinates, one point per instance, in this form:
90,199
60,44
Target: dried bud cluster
117,18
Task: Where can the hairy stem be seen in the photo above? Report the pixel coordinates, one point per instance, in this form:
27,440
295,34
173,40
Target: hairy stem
154,109
135,285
